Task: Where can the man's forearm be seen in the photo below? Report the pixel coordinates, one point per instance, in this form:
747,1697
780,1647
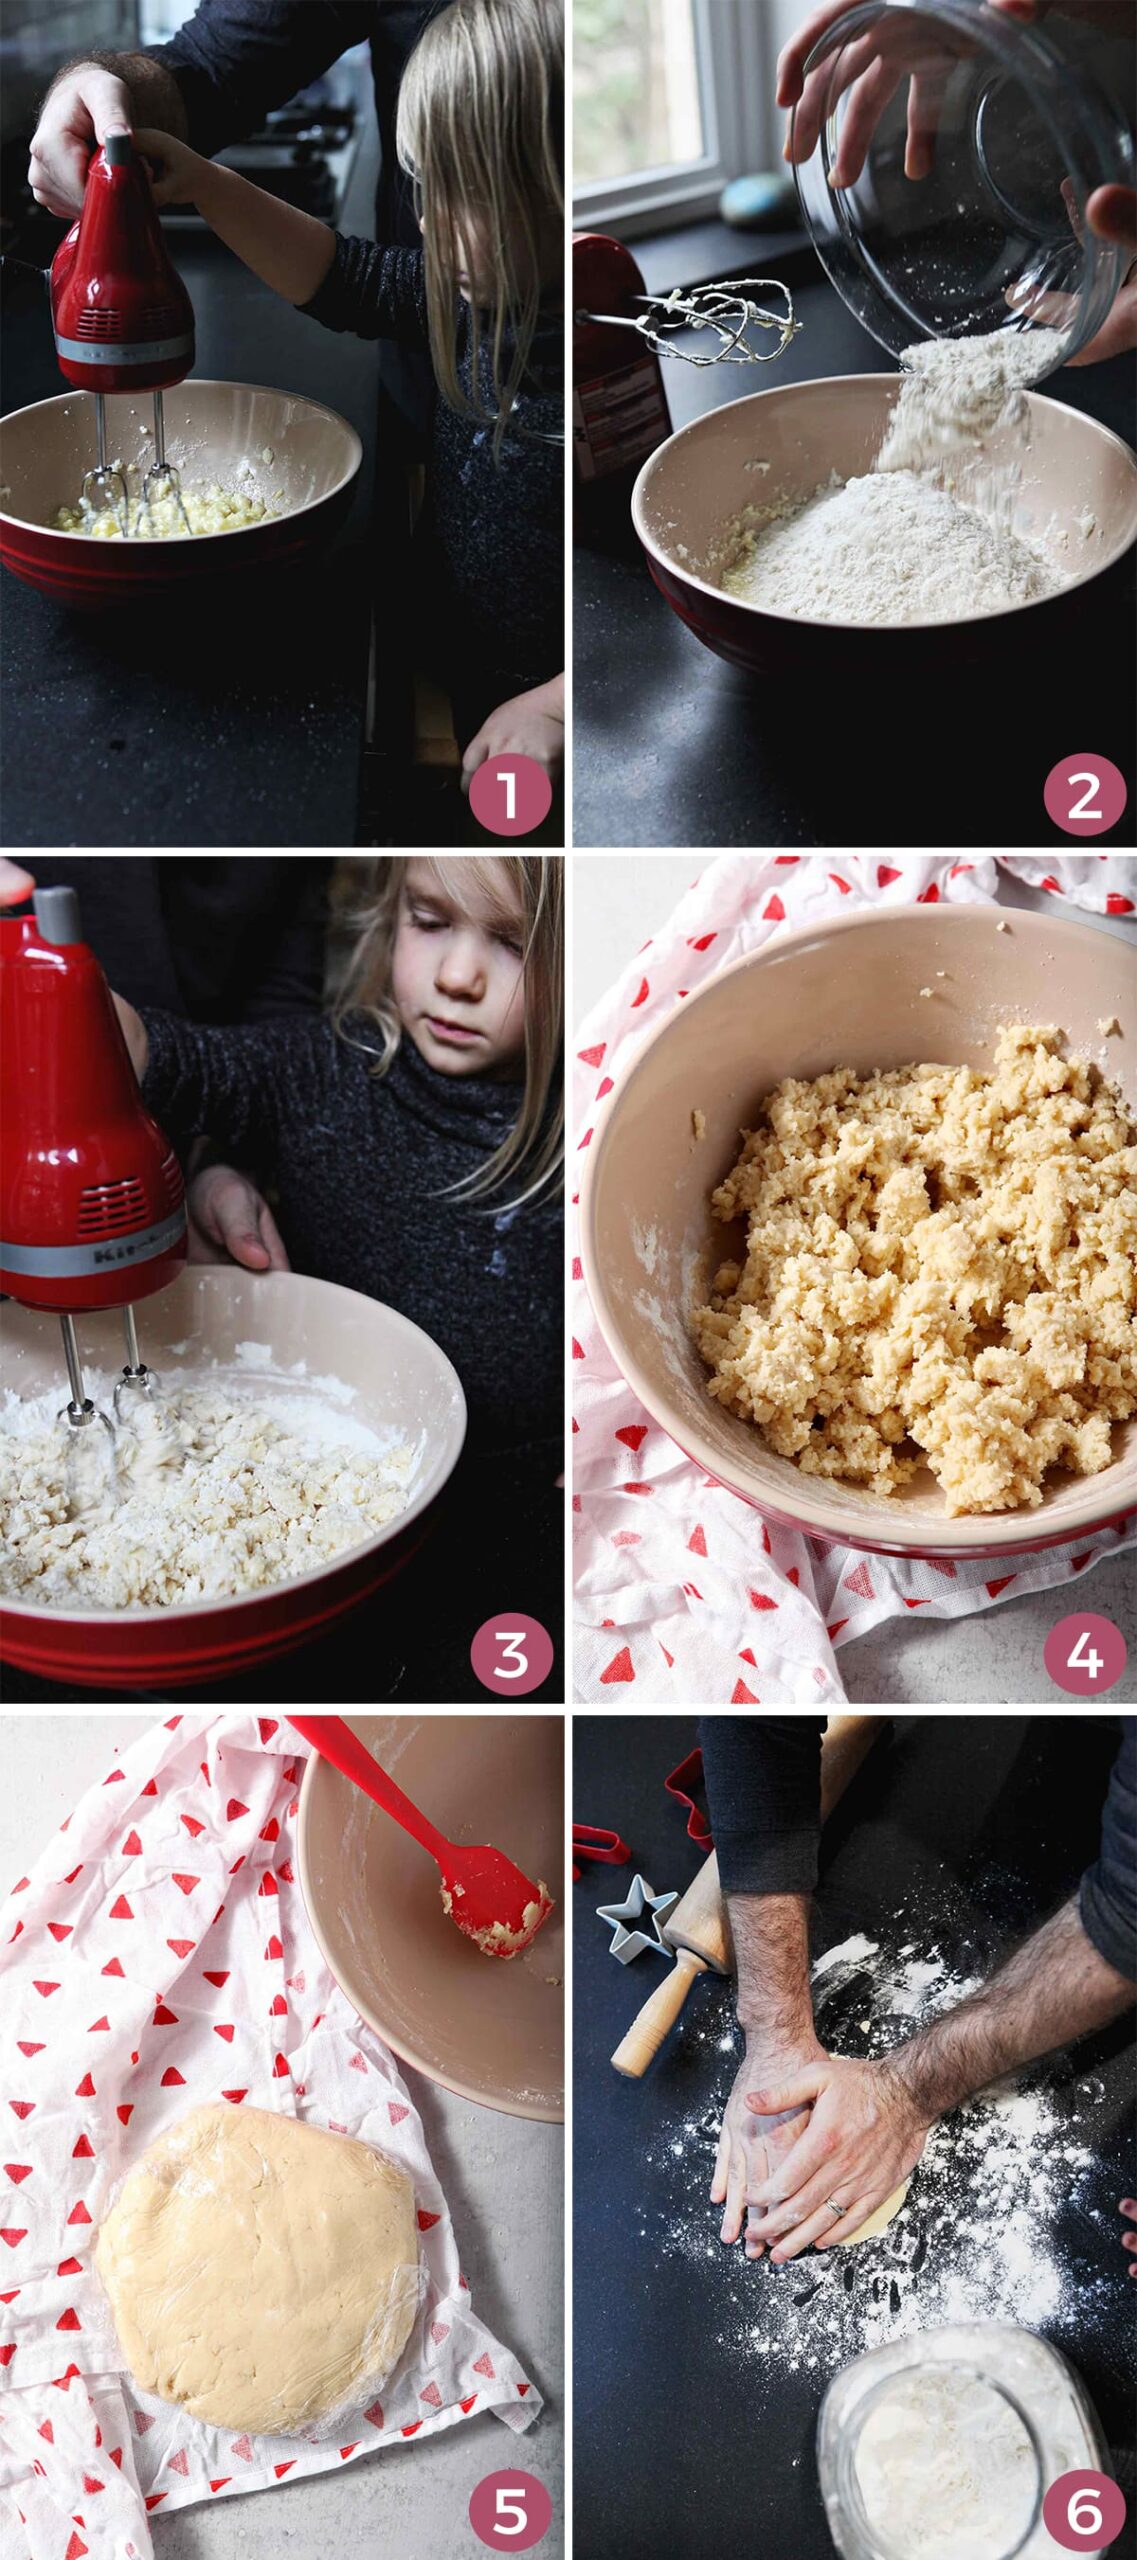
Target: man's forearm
1053,1990
771,1946
155,96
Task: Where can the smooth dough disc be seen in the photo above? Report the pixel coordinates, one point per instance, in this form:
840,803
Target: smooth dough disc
878,2221
261,2273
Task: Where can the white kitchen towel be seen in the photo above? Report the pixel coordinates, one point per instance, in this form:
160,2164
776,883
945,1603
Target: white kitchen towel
1106,883
684,1594
159,1955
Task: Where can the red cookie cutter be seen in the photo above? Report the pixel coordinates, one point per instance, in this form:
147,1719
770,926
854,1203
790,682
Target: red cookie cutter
604,1848
690,1774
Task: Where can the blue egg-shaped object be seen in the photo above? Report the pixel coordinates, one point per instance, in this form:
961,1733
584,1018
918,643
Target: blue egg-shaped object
767,202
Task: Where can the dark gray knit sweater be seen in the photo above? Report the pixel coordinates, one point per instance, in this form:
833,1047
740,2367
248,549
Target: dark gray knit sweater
494,529
361,1163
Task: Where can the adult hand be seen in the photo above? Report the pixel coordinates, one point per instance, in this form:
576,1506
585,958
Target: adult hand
872,69
862,2137
749,2151
79,111
530,724
230,1222
1112,213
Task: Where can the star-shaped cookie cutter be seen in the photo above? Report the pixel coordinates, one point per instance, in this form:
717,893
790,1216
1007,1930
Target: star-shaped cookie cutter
641,1903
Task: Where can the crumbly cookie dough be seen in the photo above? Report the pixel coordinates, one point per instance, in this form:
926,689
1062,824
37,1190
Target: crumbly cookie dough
940,1268
262,2274
228,1500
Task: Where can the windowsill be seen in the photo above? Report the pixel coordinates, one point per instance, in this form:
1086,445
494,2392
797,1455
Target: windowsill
702,252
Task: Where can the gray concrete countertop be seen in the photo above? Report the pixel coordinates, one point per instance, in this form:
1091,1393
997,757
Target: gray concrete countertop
504,2183
993,1657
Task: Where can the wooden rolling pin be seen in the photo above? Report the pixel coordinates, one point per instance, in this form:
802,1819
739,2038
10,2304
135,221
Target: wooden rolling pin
699,1929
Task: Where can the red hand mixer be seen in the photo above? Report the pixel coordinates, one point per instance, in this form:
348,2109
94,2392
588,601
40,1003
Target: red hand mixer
123,320
92,1206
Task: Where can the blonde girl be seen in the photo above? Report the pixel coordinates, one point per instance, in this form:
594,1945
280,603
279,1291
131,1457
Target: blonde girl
480,128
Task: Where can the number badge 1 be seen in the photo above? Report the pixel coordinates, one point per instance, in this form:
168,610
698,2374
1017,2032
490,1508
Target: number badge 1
510,795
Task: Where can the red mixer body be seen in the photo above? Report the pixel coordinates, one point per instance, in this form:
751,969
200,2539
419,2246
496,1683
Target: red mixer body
123,320
92,1208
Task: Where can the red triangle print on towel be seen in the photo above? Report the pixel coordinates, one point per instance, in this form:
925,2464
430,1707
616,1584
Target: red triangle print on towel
83,2149
741,1696
194,1829
860,1581
432,2396
86,2088
483,2365
22,2107
758,1600
633,1436
29,2049
279,2469
132,1845
69,2267
929,897
592,1057
218,1980
45,1989
6,2354
266,1727
620,1667
124,2114
884,873
345,2449
11,2237
179,2462
234,1809
395,2111
186,1884
426,2221
234,2096
643,995
17,2171
70,2320
59,1930
99,2027
75,2548
994,1588
374,2415
164,2017
151,1787
78,2213
227,2032
466,2405
115,1967
242,2446
181,1946
120,1910
413,2428
1116,905
696,1543
774,910
172,2079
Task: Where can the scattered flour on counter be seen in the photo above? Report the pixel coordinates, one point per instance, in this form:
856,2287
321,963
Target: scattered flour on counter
905,543
976,2238
242,1489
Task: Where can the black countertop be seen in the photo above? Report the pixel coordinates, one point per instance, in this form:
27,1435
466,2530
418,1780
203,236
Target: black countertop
683,2443
226,722
671,746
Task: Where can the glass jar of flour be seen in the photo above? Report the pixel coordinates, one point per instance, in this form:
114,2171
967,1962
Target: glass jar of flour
982,137
942,2446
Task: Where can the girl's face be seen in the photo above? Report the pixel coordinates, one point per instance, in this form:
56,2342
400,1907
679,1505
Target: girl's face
457,977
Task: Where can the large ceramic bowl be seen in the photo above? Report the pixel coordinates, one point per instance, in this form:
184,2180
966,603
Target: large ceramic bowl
215,431
401,1382
1077,476
489,2030
844,993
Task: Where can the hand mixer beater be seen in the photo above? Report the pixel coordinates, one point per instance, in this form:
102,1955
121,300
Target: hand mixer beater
123,320
92,1206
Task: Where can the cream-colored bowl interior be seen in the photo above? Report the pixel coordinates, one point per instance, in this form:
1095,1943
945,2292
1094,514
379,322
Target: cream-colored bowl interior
1079,481
845,993
215,431
198,1331
491,2030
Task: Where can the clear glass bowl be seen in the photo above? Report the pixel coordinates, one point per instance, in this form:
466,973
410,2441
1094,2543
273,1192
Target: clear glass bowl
1012,2379
1025,121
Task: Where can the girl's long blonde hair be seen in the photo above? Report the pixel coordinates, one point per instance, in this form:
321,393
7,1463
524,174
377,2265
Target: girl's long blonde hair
480,129
529,1160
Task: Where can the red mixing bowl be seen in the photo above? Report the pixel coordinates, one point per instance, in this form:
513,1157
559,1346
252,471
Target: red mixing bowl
210,1319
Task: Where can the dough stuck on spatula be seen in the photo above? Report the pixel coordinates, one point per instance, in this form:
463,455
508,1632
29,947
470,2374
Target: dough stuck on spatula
261,2273
878,2221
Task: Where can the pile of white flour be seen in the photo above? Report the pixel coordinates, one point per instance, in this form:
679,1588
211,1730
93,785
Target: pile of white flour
902,543
233,1492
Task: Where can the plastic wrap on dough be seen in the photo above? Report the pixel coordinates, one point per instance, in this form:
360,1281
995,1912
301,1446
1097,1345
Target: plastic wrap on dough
262,2274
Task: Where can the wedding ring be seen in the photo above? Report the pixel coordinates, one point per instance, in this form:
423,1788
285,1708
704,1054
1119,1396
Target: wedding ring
839,2209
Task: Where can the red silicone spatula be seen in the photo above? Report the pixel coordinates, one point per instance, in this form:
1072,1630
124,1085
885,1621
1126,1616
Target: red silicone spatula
483,1893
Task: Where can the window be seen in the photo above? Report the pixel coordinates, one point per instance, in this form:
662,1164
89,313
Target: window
670,99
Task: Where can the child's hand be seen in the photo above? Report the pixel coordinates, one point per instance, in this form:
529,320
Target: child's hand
533,724
175,171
